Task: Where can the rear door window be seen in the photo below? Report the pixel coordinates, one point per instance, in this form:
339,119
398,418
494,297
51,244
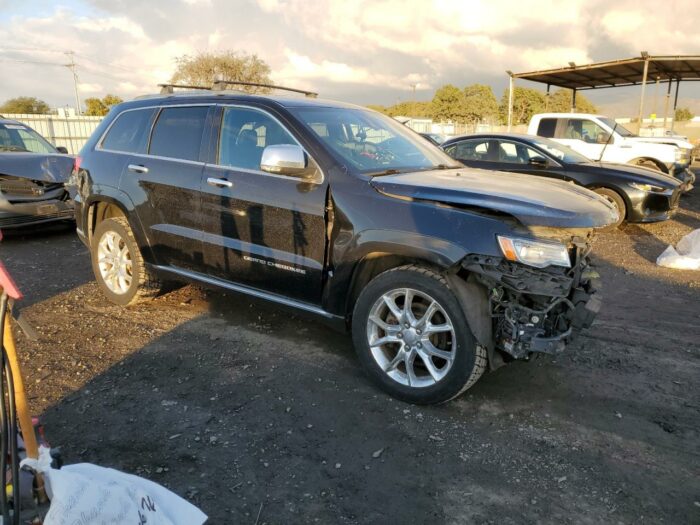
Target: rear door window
129,133
177,134
547,127
515,153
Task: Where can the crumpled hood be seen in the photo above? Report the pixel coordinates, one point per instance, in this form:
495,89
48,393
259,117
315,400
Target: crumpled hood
534,201
45,167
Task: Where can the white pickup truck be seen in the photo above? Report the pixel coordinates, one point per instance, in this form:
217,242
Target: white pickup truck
601,138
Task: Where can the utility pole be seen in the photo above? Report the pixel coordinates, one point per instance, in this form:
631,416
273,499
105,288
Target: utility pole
71,65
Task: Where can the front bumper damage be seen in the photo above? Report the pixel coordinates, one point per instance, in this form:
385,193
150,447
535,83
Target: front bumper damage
26,202
687,179
533,309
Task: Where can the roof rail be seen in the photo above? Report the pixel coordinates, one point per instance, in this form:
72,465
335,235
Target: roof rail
220,84
169,89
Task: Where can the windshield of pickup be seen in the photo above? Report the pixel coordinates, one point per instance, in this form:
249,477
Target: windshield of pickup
560,152
372,143
619,129
18,137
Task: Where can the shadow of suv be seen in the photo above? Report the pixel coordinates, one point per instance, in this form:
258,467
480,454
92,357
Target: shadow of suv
440,271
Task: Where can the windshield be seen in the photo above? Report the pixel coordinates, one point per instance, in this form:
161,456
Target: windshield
373,143
619,129
561,152
18,137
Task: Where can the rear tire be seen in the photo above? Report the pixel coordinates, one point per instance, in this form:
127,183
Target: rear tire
617,201
118,265
422,354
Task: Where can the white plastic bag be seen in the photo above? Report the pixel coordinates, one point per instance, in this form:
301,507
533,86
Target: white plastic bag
85,493
686,256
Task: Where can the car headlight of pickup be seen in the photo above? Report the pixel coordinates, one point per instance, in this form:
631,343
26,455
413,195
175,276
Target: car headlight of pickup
539,254
682,154
647,187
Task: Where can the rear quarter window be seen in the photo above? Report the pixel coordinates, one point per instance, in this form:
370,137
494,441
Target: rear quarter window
547,127
177,133
129,133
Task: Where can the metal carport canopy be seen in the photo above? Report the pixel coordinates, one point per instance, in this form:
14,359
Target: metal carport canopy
616,73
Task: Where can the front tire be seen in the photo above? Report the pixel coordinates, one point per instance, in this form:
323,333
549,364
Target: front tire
412,338
616,200
118,265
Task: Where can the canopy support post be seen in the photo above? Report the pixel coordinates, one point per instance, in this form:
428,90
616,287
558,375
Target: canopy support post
668,99
675,103
510,101
546,98
573,100
641,99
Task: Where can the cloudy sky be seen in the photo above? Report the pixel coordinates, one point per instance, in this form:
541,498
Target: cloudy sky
362,51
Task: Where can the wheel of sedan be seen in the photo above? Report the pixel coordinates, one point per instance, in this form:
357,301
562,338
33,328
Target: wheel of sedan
118,266
412,338
616,200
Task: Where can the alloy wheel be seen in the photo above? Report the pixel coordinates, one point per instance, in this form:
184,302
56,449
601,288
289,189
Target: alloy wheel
411,337
114,262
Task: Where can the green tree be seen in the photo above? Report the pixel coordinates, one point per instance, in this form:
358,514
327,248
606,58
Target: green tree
480,103
377,107
560,102
25,105
409,108
526,102
449,104
100,107
204,69
683,114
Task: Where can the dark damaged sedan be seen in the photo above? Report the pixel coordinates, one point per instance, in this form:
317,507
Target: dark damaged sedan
639,194
32,177
439,271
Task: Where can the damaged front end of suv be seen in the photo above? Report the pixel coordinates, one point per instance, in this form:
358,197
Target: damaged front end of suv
540,294
525,283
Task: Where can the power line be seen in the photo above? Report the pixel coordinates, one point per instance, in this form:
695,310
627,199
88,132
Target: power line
22,61
92,59
71,66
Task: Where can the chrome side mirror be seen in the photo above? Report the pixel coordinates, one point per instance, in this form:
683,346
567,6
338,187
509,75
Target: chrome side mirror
285,159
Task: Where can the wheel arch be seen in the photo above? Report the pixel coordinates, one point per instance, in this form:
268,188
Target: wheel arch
657,162
377,262
623,195
103,207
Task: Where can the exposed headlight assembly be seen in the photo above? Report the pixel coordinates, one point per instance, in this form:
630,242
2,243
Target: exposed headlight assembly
539,254
647,187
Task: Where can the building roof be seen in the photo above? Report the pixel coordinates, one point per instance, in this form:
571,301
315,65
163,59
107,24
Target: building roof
618,73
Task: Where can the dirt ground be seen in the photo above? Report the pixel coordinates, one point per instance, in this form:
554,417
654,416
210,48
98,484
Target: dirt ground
259,415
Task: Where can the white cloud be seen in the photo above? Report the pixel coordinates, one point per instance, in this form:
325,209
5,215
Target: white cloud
301,67
671,29
445,34
87,88
358,50
102,25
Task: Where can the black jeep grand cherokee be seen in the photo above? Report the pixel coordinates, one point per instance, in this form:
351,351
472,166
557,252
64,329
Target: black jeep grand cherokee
440,270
